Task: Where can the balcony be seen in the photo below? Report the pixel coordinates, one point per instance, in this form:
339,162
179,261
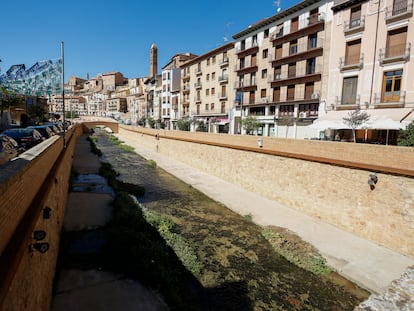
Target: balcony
197,99
311,74
243,51
223,78
222,96
351,63
315,24
197,85
399,11
245,86
347,104
301,52
390,100
246,67
396,53
224,62
354,25
186,76
198,71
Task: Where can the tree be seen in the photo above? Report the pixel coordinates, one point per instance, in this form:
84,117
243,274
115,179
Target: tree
250,124
201,127
406,137
355,119
183,124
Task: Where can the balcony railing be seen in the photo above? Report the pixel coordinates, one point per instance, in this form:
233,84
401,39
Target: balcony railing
348,103
354,25
388,101
396,53
224,62
241,49
299,72
350,63
197,85
399,11
245,65
223,78
301,48
244,84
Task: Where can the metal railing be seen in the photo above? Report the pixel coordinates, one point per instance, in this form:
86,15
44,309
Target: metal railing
395,51
355,23
399,9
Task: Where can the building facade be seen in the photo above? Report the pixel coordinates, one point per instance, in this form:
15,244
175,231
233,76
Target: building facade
207,96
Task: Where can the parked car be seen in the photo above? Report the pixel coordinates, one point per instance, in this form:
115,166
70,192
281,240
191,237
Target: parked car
54,128
9,149
25,137
43,129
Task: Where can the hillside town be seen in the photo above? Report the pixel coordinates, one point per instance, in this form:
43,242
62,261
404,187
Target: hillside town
296,74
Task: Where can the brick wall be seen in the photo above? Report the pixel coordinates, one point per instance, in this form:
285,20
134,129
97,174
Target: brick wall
337,194
27,187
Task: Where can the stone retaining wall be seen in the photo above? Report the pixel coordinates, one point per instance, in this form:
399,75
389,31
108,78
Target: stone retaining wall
334,193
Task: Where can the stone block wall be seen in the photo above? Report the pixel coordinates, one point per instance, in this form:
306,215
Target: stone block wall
336,194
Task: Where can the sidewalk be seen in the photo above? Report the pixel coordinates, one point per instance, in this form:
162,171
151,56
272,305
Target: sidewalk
359,260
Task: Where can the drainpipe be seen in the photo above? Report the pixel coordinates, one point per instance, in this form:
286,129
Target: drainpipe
375,54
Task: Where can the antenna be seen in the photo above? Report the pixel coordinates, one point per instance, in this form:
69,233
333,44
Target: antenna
226,36
277,4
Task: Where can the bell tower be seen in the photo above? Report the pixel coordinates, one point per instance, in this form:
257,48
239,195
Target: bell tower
153,61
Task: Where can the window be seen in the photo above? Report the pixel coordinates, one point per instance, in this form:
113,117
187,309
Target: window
207,77
276,94
213,76
292,70
279,52
265,53
208,61
290,92
207,92
212,106
312,41
313,16
213,59
206,107
391,87
294,24
310,66
293,47
253,78
263,93
349,91
253,59
278,72
254,40
286,110
251,97
266,33
396,42
355,19
309,109
213,91
223,107
309,87
264,73
241,63
353,51
242,45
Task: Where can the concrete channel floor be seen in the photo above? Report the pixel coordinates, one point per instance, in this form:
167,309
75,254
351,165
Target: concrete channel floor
367,264
88,207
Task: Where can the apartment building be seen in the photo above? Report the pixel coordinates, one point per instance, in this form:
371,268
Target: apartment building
207,96
371,66
282,69
171,85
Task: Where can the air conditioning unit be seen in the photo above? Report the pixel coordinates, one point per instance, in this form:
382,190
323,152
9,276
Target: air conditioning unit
303,114
315,96
264,100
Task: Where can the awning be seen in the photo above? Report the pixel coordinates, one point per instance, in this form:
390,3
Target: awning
388,118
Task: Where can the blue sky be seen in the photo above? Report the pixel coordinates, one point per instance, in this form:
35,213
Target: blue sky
116,35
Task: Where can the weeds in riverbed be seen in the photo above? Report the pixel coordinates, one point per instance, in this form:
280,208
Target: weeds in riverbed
297,251
94,149
181,247
248,217
113,139
108,172
152,163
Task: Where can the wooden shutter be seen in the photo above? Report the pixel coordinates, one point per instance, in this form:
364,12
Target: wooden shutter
276,94
294,24
309,87
396,42
291,92
353,51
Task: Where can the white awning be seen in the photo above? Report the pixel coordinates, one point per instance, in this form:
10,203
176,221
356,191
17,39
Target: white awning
387,118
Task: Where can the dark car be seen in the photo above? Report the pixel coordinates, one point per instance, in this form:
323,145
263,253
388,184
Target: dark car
43,129
54,128
25,137
58,125
9,148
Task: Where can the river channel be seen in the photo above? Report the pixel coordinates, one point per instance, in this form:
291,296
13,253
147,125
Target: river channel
240,269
